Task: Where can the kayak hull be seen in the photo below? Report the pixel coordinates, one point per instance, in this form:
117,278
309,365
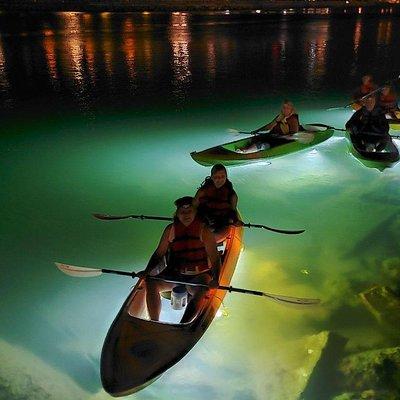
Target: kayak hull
379,160
227,153
137,350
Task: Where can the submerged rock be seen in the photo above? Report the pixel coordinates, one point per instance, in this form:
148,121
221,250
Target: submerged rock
391,273
366,395
25,376
323,378
373,373
383,303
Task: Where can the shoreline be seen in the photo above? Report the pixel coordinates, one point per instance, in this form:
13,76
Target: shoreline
199,6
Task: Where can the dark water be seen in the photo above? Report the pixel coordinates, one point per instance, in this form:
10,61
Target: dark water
99,114
95,61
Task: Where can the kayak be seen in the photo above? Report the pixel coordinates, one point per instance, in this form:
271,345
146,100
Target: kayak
275,146
394,123
138,350
382,159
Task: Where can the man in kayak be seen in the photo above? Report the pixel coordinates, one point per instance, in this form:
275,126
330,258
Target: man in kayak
388,102
367,86
285,123
192,257
217,200
369,126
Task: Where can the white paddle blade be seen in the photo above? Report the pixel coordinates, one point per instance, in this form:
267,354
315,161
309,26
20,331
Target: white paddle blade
232,131
314,128
304,137
80,272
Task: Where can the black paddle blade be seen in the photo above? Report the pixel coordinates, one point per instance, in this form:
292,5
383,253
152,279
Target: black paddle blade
107,217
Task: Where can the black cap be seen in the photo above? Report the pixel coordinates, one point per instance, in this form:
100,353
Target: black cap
184,201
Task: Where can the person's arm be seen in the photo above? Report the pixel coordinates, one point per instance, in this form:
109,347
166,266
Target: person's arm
196,200
210,244
293,122
160,251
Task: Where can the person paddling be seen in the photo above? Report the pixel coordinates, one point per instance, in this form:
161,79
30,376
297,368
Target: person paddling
369,126
285,123
388,102
367,86
217,200
192,257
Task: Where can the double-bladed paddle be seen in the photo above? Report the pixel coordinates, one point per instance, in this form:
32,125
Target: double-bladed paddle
85,272
344,130
107,217
365,96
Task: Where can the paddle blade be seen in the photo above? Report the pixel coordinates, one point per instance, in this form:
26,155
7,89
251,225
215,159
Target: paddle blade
108,217
295,301
232,131
304,137
80,272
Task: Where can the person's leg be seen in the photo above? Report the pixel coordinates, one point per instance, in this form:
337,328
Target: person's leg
197,293
153,299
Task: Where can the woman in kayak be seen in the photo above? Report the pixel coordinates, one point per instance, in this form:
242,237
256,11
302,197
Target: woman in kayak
285,123
369,127
192,257
217,200
388,101
367,86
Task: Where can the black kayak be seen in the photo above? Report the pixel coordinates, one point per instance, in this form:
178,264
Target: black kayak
381,156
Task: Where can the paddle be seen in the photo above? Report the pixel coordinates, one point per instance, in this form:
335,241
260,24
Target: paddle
364,97
304,137
107,217
85,272
235,132
344,130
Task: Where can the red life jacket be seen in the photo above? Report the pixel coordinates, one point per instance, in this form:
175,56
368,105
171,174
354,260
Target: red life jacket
365,89
388,102
188,253
217,200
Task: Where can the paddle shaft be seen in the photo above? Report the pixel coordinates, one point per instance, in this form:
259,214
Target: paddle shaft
279,298
108,217
344,130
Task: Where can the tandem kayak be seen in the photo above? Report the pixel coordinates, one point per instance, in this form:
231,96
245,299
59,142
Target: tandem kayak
381,159
138,350
276,146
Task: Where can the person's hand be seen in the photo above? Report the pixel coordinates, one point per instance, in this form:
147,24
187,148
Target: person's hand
213,284
238,223
141,274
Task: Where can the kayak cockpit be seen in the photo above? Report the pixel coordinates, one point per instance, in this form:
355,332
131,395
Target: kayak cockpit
136,307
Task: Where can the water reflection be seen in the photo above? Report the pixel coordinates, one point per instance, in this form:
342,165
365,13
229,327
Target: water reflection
384,32
73,47
179,36
129,47
316,46
49,46
4,84
126,58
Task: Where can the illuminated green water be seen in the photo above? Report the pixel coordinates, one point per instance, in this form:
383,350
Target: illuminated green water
58,173
57,170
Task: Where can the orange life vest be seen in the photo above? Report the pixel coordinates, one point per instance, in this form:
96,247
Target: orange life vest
188,253
217,200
